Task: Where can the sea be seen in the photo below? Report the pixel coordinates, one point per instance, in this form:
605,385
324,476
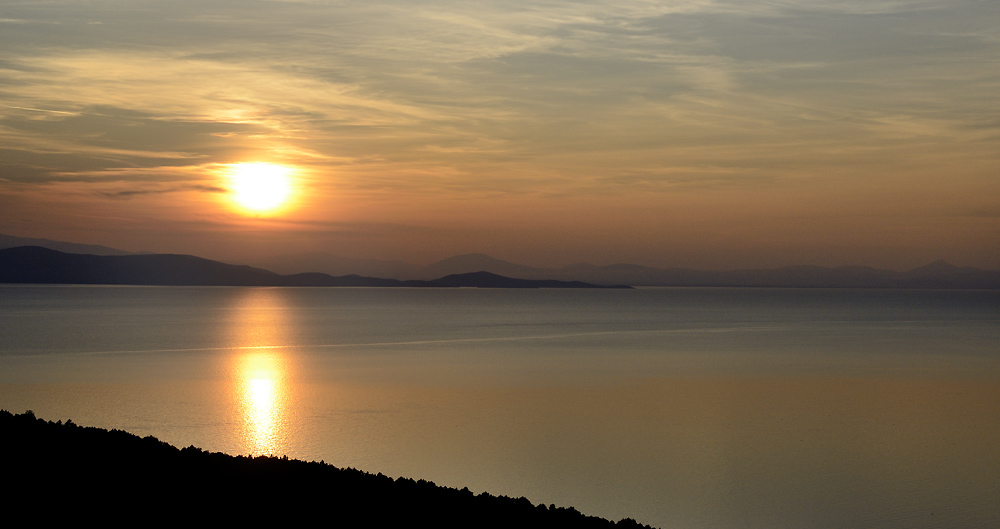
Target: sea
676,407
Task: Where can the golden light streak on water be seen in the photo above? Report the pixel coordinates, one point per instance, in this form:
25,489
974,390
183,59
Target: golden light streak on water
262,402
259,371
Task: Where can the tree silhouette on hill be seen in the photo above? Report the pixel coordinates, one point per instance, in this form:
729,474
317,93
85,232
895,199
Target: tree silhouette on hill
73,472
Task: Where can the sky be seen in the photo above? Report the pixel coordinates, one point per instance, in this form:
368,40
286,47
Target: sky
693,133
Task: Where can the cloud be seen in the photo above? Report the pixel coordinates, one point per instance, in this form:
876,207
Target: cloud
129,193
451,99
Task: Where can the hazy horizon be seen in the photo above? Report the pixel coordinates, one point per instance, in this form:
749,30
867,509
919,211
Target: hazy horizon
710,134
301,258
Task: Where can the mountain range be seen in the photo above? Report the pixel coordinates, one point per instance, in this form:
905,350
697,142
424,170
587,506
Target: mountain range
938,274
11,241
38,265
321,268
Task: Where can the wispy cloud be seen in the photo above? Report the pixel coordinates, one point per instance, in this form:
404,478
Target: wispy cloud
129,193
452,100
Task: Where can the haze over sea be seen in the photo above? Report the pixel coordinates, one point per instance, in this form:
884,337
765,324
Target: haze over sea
686,408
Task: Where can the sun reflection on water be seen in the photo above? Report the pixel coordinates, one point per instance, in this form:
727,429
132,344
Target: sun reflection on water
260,371
262,402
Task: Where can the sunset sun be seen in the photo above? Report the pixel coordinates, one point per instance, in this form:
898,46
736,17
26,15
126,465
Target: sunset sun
260,187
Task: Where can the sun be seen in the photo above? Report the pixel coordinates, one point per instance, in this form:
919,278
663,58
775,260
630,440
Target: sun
260,187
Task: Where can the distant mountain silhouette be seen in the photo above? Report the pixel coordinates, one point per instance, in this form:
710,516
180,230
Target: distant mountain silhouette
463,264
935,275
339,265
63,472
336,265
309,268
11,241
491,280
34,264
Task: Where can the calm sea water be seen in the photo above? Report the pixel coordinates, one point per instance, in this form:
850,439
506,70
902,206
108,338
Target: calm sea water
687,408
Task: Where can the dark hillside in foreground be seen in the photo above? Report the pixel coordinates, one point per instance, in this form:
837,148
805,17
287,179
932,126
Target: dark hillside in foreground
76,473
